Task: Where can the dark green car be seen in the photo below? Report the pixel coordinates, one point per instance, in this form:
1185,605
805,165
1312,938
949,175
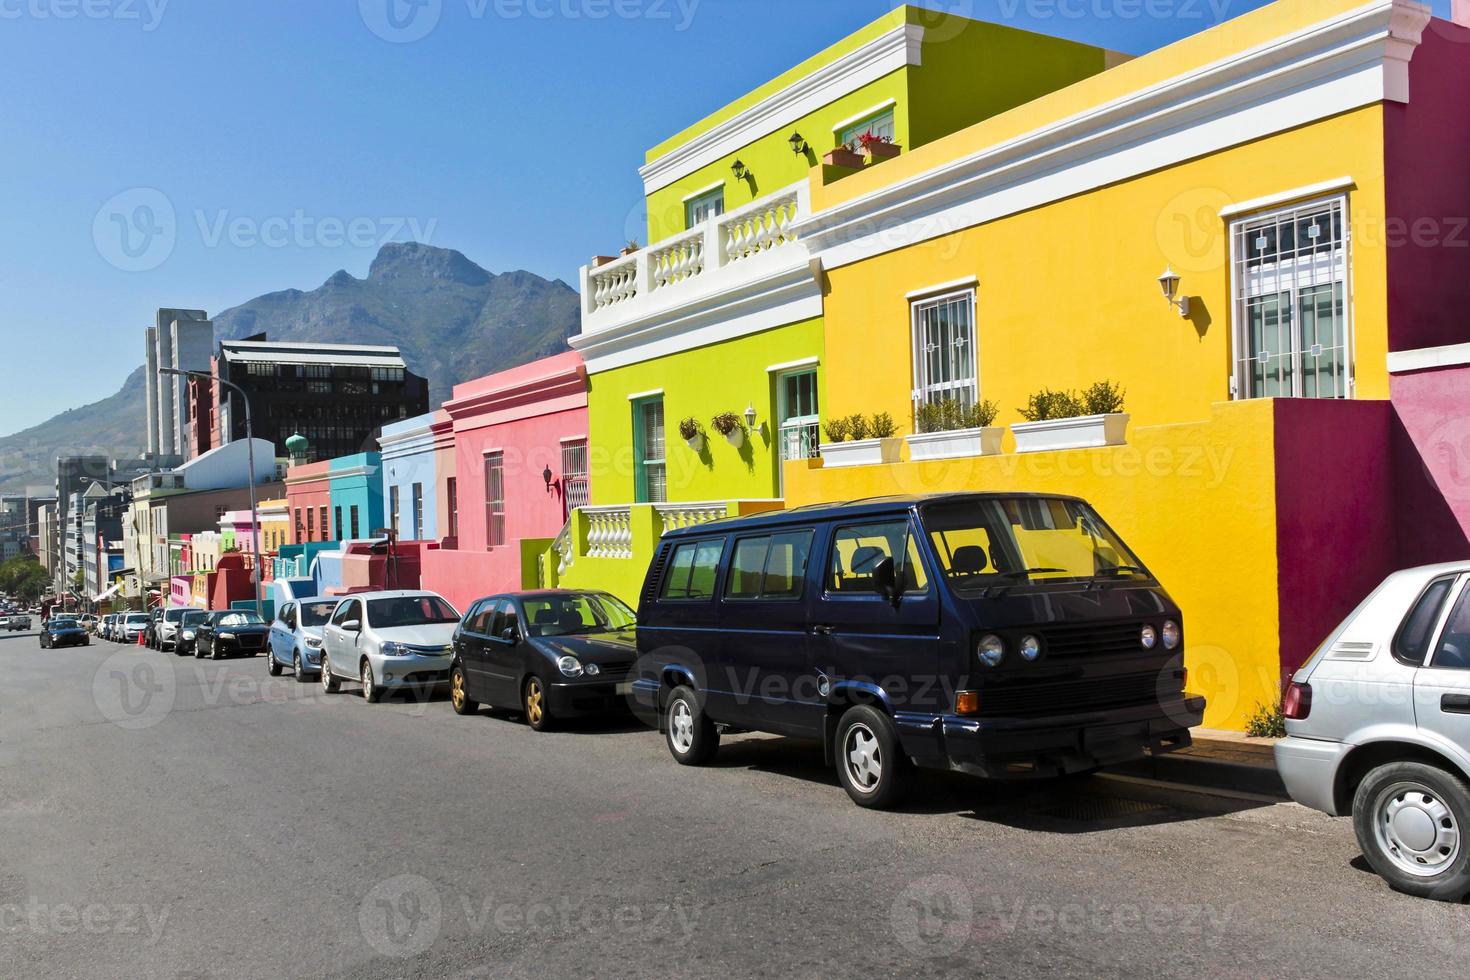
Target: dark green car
61,631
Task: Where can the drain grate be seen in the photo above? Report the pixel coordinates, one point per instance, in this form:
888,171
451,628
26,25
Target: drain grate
1094,809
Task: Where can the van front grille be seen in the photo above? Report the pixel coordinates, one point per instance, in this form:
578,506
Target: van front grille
1093,639
1038,699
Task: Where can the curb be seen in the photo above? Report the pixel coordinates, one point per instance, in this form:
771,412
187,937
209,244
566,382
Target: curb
1246,768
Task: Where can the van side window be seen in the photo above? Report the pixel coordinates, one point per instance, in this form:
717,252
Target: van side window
771,567
1454,645
1412,643
857,550
693,570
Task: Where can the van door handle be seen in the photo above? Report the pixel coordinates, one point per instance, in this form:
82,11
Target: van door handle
1455,704
822,630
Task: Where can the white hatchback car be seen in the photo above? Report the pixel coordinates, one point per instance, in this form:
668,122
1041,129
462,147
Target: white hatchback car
388,640
1378,727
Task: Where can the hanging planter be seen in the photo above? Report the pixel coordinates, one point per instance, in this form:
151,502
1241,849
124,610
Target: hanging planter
693,434
728,425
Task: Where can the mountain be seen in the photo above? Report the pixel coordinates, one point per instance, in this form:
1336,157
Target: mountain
452,319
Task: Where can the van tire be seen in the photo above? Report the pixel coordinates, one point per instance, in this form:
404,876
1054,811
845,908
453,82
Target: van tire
867,739
1430,791
691,737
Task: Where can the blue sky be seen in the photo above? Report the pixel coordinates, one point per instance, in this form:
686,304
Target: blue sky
289,137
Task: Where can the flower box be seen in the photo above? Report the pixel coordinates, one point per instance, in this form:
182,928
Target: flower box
878,150
1084,432
861,452
843,157
955,443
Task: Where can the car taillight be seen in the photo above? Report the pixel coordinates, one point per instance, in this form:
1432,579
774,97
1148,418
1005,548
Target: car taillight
1298,703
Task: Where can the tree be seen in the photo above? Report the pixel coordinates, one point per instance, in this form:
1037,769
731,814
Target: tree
24,578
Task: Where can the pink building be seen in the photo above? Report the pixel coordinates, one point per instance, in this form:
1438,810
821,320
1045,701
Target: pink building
520,463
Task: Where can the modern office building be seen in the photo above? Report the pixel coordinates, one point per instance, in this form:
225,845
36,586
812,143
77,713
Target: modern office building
180,339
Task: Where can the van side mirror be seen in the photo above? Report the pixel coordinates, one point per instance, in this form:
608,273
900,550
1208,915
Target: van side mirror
885,579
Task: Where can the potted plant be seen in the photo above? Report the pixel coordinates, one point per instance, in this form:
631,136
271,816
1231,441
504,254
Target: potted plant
693,434
861,440
598,261
1066,420
950,428
878,147
631,247
845,157
728,425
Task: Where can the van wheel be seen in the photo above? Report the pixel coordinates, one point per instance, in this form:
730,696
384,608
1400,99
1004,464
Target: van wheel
692,737
330,684
1411,819
871,765
463,703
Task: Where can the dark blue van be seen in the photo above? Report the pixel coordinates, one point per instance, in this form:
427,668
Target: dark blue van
1002,635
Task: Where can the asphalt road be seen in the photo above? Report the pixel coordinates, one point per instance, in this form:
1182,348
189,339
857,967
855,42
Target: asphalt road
170,817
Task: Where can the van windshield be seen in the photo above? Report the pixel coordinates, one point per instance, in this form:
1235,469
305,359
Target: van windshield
1026,540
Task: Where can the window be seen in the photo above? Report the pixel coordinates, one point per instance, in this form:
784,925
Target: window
574,474
418,512
693,569
506,619
300,527
1290,281
339,522
771,567
355,529
310,528
346,611
411,610
566,614
880,126
317,370
708,205
1454,643
494,500
857,550
324,523
451,488
796,405
1414,637
945,366
478,619
393,512
648,449
319,387
287,615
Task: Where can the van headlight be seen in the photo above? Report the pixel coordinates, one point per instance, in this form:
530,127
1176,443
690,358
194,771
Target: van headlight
570,666
1030,648
1147,638
1172,636
991,650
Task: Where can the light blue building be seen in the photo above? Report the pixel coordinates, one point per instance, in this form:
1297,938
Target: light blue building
409,478
356,491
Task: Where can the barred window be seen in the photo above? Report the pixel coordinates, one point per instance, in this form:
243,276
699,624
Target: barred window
945,363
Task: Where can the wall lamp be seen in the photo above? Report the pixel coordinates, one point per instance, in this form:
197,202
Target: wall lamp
739,170
1169,283
546,475
798,145
750,417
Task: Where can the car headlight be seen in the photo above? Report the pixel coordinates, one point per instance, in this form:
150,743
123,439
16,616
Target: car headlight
1148,638
1030,648
592,670
314,642
188,634
227,636
992,650
391,649
570,666
1172,635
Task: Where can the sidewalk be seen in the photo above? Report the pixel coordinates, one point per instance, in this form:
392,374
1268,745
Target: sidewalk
1217,760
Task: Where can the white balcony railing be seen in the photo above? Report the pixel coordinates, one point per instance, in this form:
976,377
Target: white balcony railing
609,531
688,515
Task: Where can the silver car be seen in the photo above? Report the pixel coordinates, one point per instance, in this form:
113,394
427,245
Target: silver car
1378,727
168,626
388,640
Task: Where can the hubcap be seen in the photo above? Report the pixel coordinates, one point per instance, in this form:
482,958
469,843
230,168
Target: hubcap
326,672
534,707
367,679
456,693
862,757
681,726
1417,830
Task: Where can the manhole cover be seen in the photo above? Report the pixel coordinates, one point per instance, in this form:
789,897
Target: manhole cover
1091,810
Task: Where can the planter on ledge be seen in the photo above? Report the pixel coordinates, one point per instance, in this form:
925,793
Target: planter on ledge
955,443
882,151
861,452
1085,432
845,158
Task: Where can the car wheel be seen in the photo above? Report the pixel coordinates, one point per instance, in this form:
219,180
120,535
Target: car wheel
692,738
330,684
1411,820
301,677
198,651
215,653
871,764
272,667
533,702
463,703
371,692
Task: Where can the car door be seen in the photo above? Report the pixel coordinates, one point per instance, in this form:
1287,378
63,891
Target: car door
341,644
504,660
1442,685
469,642
282,635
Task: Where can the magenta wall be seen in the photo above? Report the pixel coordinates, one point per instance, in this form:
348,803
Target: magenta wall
1432,463
1427,170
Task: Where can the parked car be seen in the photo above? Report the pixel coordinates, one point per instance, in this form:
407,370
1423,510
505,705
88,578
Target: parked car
89,622
16,624
388,641
166,628
1000,635
110,626
63,631
150,634
130,627
553,654
230,632
1378,728
296,637
188,634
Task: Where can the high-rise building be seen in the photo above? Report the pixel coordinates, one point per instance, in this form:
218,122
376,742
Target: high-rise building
180,339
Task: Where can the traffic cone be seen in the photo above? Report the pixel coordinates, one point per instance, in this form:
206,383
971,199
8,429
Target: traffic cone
140,638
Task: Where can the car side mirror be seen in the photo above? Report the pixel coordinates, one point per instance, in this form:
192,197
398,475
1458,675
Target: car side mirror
885,579
352,626
508,634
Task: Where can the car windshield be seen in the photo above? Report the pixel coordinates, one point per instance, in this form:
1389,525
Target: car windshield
410,610
137,618
193,618
239,619
561,615
1026,540
317,613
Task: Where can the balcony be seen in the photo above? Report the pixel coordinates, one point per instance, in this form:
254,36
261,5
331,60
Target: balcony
735,273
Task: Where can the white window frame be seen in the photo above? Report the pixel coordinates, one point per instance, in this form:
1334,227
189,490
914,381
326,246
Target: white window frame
576,489
704,198
1236,226
811,423
848,133
492,539
923,389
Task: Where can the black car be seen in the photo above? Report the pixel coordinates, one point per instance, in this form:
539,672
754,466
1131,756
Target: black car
553,654
63,632
150,635
233,632
189,625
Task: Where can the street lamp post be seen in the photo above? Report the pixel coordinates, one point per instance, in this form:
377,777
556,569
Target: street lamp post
250,454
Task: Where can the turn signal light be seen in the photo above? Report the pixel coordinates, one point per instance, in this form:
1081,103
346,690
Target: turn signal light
1298,703
967,703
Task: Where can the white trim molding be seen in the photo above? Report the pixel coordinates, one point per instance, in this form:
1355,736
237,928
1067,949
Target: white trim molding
881,107
718,185
1274,201
968,282
899,48
1428,358
1353,59
651,393
793,365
